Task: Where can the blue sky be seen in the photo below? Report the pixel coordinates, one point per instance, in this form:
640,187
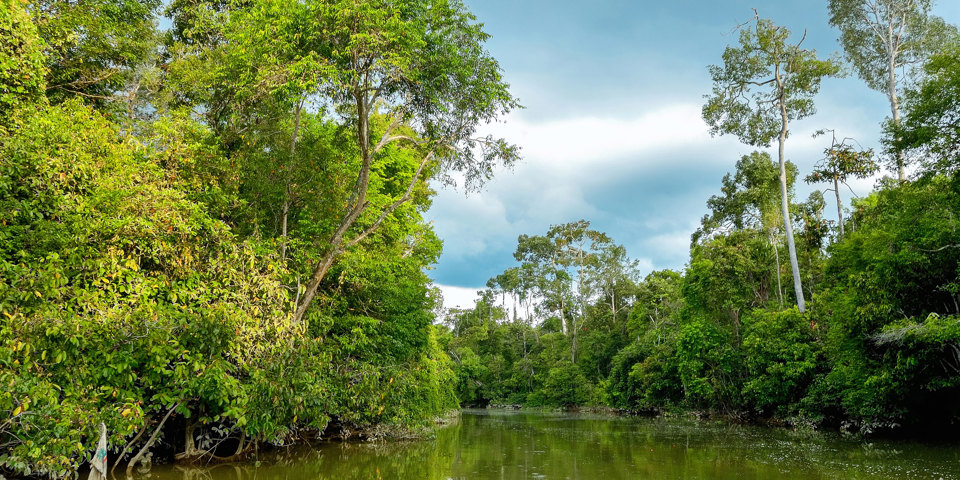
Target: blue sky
611,129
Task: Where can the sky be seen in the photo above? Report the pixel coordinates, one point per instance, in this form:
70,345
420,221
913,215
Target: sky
611,130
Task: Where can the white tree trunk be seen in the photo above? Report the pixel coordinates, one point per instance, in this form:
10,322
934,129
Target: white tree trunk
785,207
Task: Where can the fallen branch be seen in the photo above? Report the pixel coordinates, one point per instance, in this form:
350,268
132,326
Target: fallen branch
126,449
150,441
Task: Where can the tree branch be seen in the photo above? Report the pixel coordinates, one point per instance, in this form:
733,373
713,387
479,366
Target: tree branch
406,196
150,441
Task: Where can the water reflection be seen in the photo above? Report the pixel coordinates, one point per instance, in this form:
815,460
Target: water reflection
520,445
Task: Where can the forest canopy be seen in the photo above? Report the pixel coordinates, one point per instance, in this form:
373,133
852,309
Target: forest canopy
213,238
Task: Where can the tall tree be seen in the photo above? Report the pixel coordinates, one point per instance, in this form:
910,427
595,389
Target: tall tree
882,37
546,273
579,249
930,125
418,64
616,275
762,85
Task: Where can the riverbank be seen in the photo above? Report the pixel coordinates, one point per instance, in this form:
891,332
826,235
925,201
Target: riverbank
946,432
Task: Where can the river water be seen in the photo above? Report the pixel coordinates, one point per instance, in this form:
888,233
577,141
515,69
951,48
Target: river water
493,444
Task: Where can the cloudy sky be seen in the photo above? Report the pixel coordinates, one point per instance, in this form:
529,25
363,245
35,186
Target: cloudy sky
611,130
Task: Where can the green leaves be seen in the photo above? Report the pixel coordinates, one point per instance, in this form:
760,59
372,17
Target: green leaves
95,48
930,128
22,63
759,78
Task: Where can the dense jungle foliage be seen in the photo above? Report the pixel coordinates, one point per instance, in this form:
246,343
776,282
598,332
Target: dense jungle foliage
211,240
212,234
877,349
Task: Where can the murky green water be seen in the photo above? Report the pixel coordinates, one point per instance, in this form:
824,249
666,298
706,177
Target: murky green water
520,445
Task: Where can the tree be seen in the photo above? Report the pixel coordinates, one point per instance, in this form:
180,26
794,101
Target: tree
658,301
749,201
760,87
419,64
930,125
98,48
881,37
841,162
545,273
579,247
616,275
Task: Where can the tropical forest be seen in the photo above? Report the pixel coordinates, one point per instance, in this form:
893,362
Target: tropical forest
224,249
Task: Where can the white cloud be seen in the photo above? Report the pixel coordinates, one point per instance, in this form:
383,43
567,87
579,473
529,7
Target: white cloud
653,161
458,297
645,265
562,160
669,246
566,145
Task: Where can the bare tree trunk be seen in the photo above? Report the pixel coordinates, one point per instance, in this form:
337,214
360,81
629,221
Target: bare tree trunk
613,305
285,212
336,246
784,199
556,279
892,93
573,347
310,290
563,321
153,438
130,444
785,207
836,189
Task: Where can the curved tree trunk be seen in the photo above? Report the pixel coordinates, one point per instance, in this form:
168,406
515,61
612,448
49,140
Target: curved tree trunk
785,207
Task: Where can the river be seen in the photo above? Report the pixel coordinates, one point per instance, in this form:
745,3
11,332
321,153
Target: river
494,444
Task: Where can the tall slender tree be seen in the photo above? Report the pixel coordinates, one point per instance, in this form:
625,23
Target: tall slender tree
763,84
884,37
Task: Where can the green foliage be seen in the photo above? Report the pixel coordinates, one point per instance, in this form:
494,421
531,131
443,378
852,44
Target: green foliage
707,366
123,298
731,274
564,385
751,197
782,355
156,270
759,78
898,268
118,293
658,301
97,48
22,63
929,128
842,162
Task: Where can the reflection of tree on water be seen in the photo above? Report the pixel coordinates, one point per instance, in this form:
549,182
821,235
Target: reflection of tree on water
523,445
